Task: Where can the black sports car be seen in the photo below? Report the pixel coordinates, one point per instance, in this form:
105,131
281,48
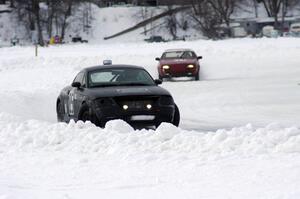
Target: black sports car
109,92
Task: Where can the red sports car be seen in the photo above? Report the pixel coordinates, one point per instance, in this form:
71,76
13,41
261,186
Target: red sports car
179,63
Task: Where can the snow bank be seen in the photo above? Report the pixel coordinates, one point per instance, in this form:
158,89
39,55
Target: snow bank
119,139
79,160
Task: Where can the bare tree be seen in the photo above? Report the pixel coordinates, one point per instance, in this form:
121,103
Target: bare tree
66,11
47,16
35,9
142,15
272,8
82,16
171,23
59,12
211,14
224,8
12,3
31,11
51,14
276,7
207,19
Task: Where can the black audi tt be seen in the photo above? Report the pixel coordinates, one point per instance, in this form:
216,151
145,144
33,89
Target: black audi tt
102,93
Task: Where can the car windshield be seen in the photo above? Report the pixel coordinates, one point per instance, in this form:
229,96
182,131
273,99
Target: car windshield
119,77
179,55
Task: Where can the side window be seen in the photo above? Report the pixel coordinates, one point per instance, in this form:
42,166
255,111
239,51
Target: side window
79,77
83,83
187,54
194,54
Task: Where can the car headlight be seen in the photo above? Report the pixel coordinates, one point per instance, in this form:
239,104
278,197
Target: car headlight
190,66
149,106
125,107
166,67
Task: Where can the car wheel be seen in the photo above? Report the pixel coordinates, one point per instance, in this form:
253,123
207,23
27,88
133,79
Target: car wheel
197,77
161,78
60,111
85,113
86,116
176,119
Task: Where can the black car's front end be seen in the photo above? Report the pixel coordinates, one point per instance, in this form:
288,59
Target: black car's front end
137,110
103,93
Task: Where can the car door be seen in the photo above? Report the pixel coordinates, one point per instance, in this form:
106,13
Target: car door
76,96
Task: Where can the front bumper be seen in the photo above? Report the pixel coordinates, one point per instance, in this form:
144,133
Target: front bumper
170,75
167,73
136,117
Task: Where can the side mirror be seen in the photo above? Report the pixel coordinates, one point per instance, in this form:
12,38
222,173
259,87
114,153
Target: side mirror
158,81
200,57
76,84
157,59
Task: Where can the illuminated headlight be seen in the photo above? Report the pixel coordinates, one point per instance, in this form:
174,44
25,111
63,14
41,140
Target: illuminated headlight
125,107
149,106
166,67
190,66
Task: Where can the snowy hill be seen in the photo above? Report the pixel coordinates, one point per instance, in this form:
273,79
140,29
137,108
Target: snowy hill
105,22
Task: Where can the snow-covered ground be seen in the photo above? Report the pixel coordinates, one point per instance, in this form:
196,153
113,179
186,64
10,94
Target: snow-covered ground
239,136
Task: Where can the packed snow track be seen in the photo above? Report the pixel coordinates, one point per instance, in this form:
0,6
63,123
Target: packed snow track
239,135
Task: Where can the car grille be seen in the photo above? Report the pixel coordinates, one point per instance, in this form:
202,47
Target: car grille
136,102
179,69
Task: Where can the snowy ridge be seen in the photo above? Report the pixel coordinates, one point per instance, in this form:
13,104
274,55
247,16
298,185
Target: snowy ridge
119,139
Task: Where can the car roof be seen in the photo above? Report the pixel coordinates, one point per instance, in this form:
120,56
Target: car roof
179,49
92,68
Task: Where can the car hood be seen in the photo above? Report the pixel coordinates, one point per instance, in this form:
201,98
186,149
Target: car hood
178,61
126,91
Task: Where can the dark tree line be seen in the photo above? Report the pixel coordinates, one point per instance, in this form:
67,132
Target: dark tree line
276,7
45,18
213,17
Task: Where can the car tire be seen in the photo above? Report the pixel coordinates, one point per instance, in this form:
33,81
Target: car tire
176,119
86,114
161,78
60,111
197,77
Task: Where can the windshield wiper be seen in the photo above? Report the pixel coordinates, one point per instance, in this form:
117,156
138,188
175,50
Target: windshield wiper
104,85
134,84
121,84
